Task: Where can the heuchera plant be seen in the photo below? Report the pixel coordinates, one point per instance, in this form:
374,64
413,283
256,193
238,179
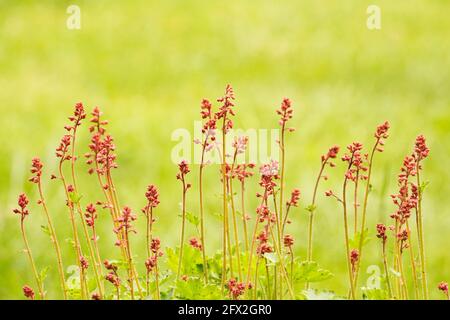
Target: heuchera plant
256,259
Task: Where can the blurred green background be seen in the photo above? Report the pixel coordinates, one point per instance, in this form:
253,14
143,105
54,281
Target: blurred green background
148,64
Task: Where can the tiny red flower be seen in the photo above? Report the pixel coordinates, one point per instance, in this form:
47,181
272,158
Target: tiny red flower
36,170
28,292
23,203
288,241
295,197
195,243
443,286
84,263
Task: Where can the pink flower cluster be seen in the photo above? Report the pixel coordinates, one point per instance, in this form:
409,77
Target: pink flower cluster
195,243
235,288
226,108
285,112
23,203
90,215
36,170
355,162
152,262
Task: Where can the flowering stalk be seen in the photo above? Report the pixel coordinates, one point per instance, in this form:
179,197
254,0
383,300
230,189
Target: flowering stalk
405,200
113,276
224,112
354,150
151,264
242,174
62,154
421,151
183,171
325,160
208,130
23,212
269,173
380,135
413,262
239,146
36,170
103,159
76,119
90,216
285,112
124,222
381,234
152,196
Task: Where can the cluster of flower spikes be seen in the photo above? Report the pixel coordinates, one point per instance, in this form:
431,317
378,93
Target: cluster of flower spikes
240,144
354,257
226,108
36,170
152,262
381,232
263,242
66,140
183,170
112,275
23,203
295,197
152,196
124,223
331,154
381,134
443,286
210,125
406,198
84,263
285,112
235,288
269,173
28,292
90,215
241,171
195,243
355,161
102,157
63,148
288,241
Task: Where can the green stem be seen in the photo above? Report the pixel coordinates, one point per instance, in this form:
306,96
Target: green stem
55,242
30,257
421,237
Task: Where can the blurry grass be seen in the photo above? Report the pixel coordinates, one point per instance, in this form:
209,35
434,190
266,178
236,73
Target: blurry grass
147,64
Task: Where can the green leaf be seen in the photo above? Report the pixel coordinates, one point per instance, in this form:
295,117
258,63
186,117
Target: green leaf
46,230
195,288
309,271
374,294
74,197
193,219
423,185
43,274
354,242
311,208
192,263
